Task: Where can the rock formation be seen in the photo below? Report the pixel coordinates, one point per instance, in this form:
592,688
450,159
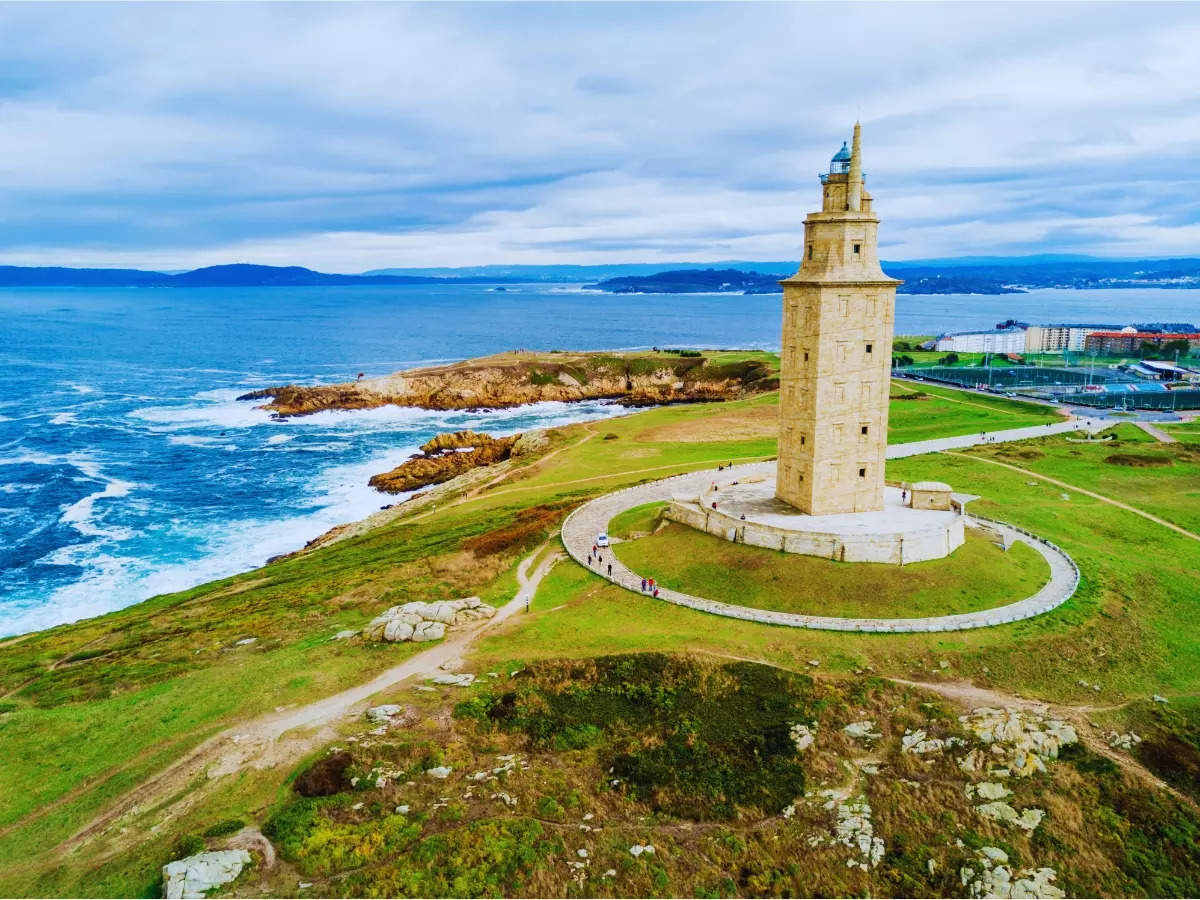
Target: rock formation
417,621
195,876
514,379
446,456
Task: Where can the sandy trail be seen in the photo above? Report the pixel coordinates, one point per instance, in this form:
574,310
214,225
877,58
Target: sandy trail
282,738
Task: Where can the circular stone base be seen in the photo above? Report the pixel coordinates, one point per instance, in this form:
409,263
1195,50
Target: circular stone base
747,512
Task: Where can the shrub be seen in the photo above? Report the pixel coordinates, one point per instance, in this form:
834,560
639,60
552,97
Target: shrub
228,826
326,776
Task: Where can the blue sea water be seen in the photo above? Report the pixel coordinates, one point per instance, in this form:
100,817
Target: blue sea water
128,469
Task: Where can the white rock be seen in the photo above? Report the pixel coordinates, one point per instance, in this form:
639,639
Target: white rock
611,873
863,730
581,853
988,790
429,631
347,633
1159,698
802,736
397,630
384,713
439,771
814,662
195,876
636,850
402,809
464,679
244,641
995,854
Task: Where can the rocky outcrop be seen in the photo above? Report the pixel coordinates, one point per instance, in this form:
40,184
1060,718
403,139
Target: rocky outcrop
417,621
514,379
195,876
446,456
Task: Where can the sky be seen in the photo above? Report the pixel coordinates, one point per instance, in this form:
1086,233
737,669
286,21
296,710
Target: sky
347,137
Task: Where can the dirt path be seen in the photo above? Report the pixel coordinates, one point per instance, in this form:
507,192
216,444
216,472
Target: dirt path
1155,432
282,738
1084,491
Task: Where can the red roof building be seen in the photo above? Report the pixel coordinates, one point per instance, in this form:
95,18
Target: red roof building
1114,342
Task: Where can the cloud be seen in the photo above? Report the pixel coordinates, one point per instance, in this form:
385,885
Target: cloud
354,136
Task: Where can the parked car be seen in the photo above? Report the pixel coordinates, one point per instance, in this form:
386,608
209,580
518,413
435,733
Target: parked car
602,540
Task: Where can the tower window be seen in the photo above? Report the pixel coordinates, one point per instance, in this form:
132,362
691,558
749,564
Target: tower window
802,440
858,248
864,429
806,356
862,473
810,251
869,347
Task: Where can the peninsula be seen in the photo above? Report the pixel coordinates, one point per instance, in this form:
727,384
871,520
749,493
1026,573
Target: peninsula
633,379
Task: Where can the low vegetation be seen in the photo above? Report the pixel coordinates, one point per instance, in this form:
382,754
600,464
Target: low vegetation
92,710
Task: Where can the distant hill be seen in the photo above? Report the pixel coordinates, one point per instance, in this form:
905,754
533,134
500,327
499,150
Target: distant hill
580,274
235,275
1002,276
965,275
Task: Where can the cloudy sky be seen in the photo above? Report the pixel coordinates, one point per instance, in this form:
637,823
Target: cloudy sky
347,137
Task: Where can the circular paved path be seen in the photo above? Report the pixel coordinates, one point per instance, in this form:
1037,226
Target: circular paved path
581,527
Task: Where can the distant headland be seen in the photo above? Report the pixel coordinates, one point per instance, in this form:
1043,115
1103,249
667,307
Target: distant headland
963,275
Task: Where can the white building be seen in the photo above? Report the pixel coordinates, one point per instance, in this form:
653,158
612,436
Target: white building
1007,340
1060,337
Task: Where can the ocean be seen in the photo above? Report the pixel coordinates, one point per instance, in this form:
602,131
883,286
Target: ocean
128,469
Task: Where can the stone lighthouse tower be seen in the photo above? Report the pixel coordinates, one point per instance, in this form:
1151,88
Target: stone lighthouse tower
838,315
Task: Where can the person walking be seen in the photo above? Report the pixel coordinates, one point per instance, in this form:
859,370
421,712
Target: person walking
656,593
610,570
589,559
643,585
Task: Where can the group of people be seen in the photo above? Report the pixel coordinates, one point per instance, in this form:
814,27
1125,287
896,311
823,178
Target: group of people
599,559
648,584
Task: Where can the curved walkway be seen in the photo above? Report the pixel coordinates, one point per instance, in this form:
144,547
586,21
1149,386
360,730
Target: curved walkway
580,528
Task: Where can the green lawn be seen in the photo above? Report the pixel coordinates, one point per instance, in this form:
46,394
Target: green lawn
1161,479
148,682
927,411
979,575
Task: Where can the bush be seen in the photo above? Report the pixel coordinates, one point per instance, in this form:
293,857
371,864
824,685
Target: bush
610,437
188,845
326,776
228,826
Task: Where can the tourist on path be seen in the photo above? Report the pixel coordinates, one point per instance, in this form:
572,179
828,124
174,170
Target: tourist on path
610,570
643,585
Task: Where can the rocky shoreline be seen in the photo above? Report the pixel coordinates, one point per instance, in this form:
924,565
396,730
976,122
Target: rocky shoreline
449,455
516,379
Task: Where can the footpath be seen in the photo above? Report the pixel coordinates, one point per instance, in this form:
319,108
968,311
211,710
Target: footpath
581,527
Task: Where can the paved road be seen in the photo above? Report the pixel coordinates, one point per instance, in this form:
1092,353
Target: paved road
916,448
581,527
1155,432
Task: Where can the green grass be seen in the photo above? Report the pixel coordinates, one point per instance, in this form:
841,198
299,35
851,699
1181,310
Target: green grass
149,682
1170,491
938,411
1187,432
638,519
979,575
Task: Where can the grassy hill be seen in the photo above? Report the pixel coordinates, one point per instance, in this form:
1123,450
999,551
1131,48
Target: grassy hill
95,710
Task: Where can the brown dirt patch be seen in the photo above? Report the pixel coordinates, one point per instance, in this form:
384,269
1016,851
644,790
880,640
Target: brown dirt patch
1137,461
747,424
325,777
